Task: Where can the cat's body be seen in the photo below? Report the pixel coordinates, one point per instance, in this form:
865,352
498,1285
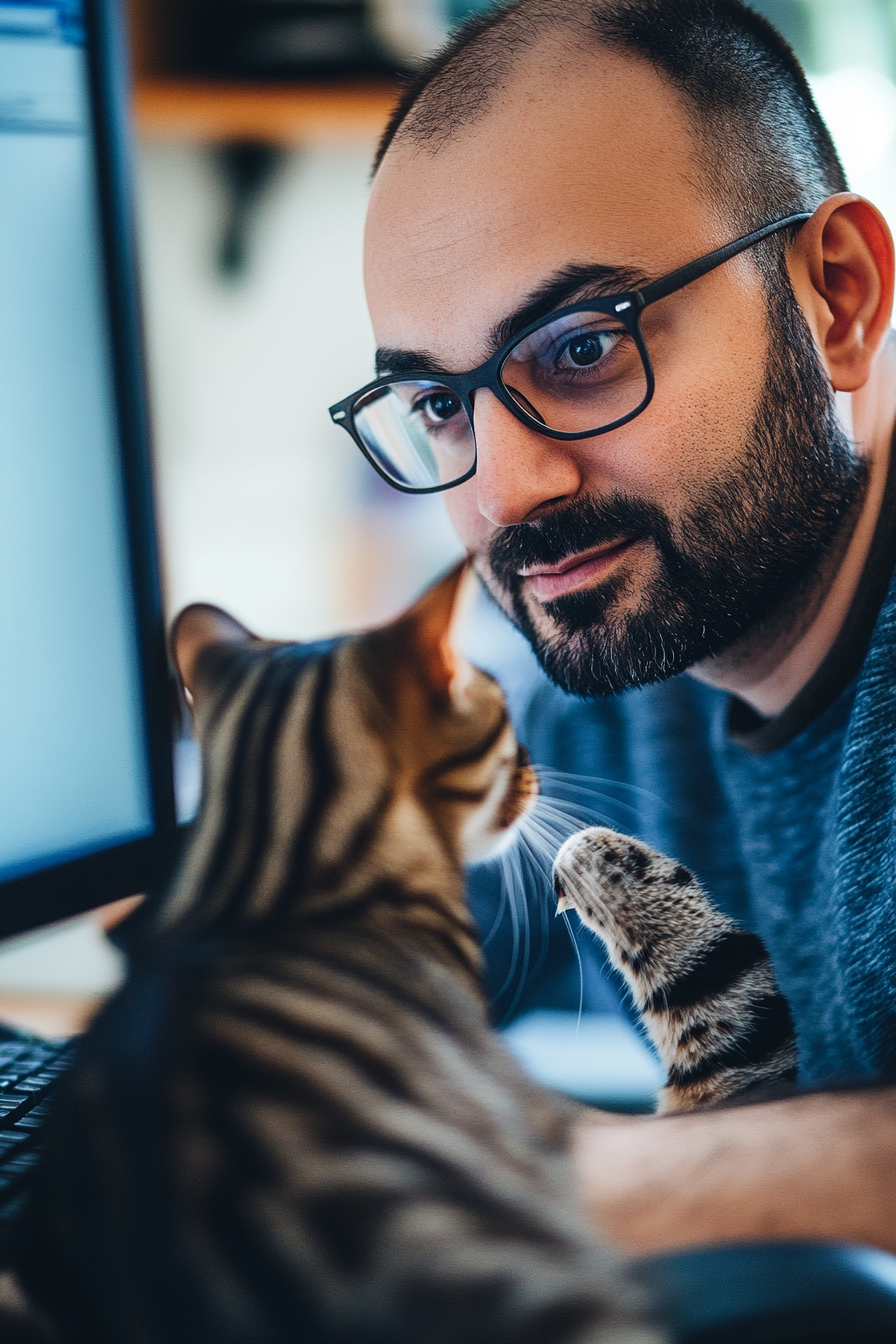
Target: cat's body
294,1122
704,987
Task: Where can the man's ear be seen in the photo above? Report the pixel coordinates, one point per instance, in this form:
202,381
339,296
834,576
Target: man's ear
196,630
432,625
842,271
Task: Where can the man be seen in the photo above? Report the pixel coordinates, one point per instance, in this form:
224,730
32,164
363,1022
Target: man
659,479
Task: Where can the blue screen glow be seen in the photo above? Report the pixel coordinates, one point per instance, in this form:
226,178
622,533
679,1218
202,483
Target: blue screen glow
73,769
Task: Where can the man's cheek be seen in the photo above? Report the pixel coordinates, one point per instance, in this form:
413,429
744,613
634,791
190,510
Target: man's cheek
507,596
462,504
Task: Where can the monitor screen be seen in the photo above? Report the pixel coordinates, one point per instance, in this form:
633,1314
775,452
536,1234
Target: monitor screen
75,775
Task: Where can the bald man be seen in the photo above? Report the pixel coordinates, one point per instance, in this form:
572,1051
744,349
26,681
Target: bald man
635,327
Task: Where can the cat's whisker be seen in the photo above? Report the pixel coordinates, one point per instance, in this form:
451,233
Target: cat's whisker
524,868
499,917
594,786
552,821
524,876
565,805
575,948
513,888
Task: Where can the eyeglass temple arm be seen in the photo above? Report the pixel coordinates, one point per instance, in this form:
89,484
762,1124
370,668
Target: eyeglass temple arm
668,284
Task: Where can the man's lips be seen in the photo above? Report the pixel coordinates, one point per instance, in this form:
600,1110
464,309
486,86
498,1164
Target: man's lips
578,571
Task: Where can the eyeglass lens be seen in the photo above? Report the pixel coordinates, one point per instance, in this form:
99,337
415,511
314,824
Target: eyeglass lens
577,374
418,433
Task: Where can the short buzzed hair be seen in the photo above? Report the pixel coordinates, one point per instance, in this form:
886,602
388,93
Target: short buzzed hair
765,151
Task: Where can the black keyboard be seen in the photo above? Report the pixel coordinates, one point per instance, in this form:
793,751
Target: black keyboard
29,1066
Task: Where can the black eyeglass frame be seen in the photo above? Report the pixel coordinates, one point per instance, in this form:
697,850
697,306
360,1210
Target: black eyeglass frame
627,307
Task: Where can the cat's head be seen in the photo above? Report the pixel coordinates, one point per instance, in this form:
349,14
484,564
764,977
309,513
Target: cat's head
382,749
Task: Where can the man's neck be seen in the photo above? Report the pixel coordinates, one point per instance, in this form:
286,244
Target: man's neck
769,675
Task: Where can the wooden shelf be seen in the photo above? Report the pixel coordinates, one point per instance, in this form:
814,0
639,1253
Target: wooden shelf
189,109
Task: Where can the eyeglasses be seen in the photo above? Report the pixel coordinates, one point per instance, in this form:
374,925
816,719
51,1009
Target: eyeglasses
579,372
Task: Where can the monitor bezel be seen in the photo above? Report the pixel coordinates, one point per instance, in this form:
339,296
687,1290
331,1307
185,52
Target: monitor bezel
68,888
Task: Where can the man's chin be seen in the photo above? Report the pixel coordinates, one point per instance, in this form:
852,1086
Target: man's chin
583,640
590,664
543,629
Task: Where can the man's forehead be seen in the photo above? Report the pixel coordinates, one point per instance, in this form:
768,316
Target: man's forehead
592,163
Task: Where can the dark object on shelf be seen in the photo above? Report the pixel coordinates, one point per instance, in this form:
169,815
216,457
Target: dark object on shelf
247,167
282,39
792,1293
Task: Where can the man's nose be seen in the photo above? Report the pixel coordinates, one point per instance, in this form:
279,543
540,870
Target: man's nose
519,472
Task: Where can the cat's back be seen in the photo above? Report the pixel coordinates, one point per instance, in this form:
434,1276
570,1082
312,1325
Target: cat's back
344,1016
324,1133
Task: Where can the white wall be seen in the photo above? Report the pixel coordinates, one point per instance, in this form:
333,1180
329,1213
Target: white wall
267,507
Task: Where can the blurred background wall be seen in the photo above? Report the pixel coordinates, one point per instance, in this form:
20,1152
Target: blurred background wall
266,508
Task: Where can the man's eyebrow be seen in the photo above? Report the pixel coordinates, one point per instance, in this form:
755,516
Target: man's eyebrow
407,361
563,287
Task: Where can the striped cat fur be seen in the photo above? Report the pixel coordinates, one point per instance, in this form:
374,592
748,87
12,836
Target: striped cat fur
294,1125
704,987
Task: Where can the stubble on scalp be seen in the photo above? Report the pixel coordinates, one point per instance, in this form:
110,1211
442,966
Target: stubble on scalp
764,150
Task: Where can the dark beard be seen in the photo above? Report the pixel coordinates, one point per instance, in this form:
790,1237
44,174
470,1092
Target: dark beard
747,551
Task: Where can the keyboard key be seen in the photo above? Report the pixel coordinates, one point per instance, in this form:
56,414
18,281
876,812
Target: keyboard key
20,1162
31,1083
10,1140
16,1096
9,1081
31,1120
28,1072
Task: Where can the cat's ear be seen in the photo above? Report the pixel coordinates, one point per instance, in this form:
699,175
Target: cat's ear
197,629
433,625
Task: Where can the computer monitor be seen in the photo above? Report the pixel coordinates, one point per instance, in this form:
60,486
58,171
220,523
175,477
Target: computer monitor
86,795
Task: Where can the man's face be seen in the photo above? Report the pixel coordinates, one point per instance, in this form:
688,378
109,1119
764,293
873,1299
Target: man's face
627,556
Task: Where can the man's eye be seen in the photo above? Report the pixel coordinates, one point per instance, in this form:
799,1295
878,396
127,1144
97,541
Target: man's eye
438,407
588,347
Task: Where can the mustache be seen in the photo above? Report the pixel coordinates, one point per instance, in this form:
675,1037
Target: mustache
577,526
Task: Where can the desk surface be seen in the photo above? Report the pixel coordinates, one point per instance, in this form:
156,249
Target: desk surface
48,1014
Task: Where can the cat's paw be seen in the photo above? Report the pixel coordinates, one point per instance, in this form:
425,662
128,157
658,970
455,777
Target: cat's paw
651,912
704,987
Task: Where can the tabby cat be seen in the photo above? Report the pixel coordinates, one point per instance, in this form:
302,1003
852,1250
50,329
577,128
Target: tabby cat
704,987
293,1123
